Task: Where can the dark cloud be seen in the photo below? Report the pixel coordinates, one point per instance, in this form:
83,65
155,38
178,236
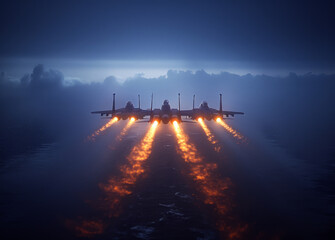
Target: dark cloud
25,80
45,79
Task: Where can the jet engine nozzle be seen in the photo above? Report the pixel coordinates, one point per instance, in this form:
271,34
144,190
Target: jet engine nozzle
156,118
175,118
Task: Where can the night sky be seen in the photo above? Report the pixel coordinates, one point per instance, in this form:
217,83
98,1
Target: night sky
257,36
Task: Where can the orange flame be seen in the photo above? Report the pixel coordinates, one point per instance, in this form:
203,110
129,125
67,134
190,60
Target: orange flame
233,132
126,128
103,128
210,136
213,188
187,150
117,188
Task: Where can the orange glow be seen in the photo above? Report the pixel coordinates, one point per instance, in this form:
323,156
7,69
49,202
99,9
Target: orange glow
132,119
86,228
188,151
102,129
210,136
125,129
117,188
233,132
212,188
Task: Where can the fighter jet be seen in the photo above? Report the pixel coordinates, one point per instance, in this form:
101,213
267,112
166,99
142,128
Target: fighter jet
129,111
165,114
205,112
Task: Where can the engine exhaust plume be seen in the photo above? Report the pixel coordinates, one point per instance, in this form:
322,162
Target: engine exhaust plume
210,136
214,190
117,188
93,136
233,132
125,129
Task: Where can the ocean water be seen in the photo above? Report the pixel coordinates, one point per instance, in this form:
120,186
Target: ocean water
140,182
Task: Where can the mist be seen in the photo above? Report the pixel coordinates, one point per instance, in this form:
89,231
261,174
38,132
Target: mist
288,123
280,107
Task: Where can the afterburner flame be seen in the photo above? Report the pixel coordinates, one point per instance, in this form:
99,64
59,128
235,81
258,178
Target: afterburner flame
126,128
119,187
103,128
213,188
210,136
233,132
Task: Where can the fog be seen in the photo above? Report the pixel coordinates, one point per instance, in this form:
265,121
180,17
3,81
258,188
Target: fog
284,174
296,110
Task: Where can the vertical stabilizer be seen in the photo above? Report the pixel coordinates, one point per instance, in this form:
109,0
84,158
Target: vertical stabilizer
193,100
113,109
221,102
139,101
179,102
152,101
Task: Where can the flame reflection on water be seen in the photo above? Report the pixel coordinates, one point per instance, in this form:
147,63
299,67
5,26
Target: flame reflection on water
210,136
125,129
118,187
229,129
102,129
214,190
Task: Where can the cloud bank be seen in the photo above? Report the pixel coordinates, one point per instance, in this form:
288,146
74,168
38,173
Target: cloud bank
296,110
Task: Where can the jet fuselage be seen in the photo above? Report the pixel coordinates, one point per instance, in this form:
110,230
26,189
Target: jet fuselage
165,114
204,112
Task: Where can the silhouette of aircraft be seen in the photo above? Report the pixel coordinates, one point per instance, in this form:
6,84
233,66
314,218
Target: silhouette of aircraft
129,111
166,114
205,112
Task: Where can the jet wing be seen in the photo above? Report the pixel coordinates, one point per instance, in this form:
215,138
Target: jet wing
136,111
187,113
144,112
231,113
225,112
108,111
103,112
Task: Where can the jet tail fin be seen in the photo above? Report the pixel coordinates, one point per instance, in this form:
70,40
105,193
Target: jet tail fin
139,101
193,100
152,101
113,109
220,102
179,102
